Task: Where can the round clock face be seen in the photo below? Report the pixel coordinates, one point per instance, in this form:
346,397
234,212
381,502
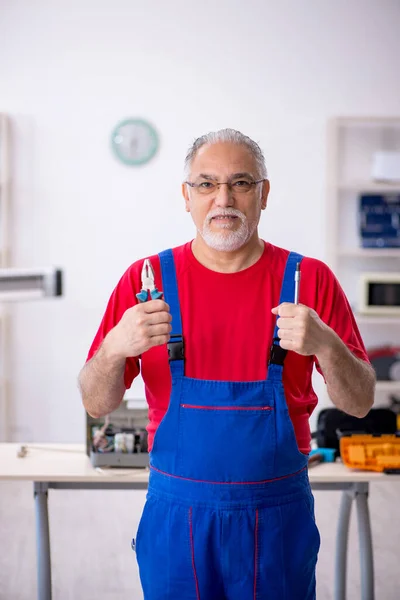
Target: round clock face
134,141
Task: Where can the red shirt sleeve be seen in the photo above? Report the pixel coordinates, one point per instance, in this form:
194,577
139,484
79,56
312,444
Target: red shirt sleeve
122,298
332,305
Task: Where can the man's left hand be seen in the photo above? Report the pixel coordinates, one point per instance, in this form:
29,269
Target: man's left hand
300,329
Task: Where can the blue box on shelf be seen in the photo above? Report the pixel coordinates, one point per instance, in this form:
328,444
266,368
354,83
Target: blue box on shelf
379,219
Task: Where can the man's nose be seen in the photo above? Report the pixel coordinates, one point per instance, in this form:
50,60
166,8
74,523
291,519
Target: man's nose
224,195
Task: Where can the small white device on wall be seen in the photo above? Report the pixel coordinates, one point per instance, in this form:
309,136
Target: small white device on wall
386,166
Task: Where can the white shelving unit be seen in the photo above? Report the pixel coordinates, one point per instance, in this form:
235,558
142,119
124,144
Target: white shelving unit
352,143
4,262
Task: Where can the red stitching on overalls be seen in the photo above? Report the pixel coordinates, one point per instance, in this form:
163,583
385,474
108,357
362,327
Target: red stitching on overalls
227,407
255,555
229,482
192,549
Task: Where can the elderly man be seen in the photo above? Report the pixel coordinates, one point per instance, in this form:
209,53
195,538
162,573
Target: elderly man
227,357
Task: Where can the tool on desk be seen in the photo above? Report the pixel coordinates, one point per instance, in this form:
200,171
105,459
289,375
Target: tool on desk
319,455
315,459
22,451
297,283
148,285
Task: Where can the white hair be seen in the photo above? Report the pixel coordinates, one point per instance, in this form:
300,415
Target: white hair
232,136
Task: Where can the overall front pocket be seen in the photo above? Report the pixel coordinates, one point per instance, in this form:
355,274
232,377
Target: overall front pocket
227,443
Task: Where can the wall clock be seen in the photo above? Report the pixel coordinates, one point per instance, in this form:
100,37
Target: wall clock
134,141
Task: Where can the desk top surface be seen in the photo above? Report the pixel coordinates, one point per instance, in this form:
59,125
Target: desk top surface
69,463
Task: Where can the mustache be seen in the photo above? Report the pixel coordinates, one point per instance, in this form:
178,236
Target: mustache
225,212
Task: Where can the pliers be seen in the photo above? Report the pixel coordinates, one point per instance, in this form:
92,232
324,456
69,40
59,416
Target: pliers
148,285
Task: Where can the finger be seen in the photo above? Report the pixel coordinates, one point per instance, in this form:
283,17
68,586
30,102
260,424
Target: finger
295,346
285,309
160,329
287,322
288,309
290,334
153,306
159,340
285,334
287,344
158,317
143,321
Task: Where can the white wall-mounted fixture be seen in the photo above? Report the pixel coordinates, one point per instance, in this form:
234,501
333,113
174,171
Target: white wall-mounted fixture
29,284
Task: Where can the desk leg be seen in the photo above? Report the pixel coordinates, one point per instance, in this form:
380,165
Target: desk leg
42,542
341,545
365,540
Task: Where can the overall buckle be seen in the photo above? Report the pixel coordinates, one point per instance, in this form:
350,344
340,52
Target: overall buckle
277,354
176,349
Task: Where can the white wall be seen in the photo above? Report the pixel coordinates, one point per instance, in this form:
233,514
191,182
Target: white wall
69,71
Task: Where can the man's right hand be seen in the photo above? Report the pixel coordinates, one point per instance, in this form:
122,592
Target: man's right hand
141,327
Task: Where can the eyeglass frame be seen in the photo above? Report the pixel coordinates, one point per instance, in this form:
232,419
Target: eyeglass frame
228,183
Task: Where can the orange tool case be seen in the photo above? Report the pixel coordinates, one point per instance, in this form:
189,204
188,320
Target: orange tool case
370,452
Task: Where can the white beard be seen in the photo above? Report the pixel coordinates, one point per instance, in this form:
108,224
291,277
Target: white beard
227,240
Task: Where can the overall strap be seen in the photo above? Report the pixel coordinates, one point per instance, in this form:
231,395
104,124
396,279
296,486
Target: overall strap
170,289
278,354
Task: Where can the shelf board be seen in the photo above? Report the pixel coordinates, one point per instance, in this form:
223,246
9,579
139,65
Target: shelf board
370,252
376,320
387,386
368,121
369,187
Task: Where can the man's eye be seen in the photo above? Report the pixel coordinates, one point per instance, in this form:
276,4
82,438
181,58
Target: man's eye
206,185
242,183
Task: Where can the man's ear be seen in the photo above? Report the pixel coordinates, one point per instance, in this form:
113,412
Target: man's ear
264,195
185,194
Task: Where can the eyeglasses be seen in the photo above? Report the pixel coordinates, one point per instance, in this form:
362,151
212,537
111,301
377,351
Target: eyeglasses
240,186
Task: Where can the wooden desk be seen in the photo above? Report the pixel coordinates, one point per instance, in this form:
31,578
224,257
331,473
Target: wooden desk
66,466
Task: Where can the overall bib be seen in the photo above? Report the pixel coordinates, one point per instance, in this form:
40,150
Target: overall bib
229,513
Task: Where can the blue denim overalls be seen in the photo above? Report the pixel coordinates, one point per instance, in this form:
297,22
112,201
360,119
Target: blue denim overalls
229,512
